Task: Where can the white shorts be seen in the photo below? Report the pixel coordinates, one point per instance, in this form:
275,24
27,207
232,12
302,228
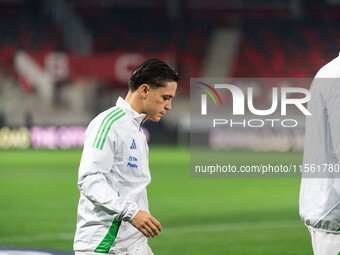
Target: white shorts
144,250
325,243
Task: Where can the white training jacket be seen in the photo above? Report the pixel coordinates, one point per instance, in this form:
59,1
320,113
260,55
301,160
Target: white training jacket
112,180
320,197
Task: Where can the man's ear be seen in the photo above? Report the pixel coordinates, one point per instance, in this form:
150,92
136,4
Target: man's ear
144,90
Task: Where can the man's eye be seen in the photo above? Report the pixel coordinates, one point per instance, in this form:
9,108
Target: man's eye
166,98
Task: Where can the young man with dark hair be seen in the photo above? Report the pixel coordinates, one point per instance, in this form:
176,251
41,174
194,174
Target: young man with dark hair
113,215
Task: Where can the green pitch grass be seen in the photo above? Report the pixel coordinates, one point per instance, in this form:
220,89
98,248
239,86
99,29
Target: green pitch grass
38,201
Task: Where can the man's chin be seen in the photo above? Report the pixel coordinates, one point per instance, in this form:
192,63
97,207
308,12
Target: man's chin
155,118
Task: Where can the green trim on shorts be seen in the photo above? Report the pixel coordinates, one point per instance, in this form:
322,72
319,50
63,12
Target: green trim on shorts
105,245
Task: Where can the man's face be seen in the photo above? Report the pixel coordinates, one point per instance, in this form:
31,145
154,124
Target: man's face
158,101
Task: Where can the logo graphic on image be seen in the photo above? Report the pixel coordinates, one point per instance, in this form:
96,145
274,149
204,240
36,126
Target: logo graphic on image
133,145
246,98
211,91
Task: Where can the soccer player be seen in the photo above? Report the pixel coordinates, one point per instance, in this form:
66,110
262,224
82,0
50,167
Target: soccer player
113,215
320,185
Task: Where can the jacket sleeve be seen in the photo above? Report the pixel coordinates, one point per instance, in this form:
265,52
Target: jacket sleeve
95,164
333,110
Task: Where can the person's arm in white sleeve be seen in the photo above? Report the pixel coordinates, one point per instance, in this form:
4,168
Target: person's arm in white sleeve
333,110
92,183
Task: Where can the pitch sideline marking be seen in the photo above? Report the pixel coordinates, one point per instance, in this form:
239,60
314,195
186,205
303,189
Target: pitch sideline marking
169,230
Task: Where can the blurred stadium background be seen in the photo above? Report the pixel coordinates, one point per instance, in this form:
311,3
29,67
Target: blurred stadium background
64,61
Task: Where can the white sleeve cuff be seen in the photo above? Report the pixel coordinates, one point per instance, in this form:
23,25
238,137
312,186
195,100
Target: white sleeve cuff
129,212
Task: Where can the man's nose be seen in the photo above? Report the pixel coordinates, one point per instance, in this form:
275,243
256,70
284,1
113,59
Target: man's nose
168,105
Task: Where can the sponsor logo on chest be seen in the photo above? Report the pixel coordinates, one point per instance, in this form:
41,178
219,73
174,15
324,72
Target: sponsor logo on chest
133,161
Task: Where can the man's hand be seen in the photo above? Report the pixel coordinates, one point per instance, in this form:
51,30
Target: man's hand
146,224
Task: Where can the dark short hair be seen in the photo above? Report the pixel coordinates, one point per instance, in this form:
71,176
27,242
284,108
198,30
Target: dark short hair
153,72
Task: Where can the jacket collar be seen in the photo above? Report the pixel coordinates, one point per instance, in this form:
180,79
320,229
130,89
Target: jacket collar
137,117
